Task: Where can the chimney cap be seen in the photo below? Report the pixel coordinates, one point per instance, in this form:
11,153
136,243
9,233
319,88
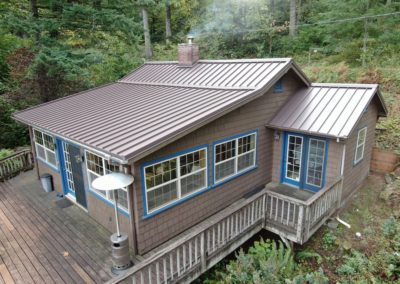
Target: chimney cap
190,38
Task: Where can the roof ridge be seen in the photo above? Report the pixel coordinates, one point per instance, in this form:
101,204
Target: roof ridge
345,85
187,86
216,61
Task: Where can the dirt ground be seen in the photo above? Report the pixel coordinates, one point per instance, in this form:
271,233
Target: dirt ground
365,212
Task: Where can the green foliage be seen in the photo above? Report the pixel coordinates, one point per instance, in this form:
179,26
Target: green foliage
328,240
308,254
12,134
5,152
354,264
390,228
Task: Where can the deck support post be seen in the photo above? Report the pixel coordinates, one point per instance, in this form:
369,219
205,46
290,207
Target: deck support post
299,232
264,211
288,243
203,260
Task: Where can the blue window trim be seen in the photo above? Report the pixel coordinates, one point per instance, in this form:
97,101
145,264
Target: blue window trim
219,183
60,152
278,87
177,202
355,150
303,174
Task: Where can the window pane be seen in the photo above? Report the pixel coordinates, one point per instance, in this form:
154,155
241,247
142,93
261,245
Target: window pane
94,163
192,162
225,150
51,158
224,169
38,137
315,164
294,156
122,198
246,161
193,182
162,195
48,141
40,151
246,144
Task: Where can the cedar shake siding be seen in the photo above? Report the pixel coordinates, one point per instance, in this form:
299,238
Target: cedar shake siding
161,227
354,175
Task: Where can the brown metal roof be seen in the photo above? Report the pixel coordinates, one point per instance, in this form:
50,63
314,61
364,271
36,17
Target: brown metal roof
156,104
247,73
330,110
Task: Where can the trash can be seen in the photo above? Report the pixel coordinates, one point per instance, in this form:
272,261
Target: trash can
47,182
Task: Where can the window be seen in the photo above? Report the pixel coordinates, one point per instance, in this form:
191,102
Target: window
362,135
278,87
45,149
316,159
174,179
97,166
234,156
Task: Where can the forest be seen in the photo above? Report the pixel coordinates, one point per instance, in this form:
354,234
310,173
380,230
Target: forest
53,48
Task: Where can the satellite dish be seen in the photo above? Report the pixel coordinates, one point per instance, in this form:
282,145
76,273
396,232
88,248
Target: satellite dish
112,181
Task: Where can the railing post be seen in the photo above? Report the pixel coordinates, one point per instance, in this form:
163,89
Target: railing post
264,211
307,224
300,224
203,255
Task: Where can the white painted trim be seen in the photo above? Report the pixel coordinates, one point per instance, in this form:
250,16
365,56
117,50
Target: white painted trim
323,161
362,144
287,156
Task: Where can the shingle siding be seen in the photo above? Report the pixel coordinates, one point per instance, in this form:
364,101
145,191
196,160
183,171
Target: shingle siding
253,116
354,175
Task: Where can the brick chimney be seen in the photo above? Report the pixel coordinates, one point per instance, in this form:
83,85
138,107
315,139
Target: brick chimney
188,53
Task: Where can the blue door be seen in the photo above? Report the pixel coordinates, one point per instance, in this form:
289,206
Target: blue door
71,169
304,161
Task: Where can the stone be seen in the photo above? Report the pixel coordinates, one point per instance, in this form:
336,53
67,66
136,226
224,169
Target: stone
388,178
386,194
332,224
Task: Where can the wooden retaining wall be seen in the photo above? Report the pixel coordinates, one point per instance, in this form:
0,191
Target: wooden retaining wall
383,161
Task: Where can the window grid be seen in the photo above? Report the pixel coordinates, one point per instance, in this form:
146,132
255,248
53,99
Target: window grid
45,149
361,138
68,168
179,177
294,157
97,166
231,160
316,159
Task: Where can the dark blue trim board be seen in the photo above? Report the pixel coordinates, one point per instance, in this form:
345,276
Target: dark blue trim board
215,183
62,167
302,183
173,203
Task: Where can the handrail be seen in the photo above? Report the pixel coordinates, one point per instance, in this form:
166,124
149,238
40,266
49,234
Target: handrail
196,231
15,154
265,209
14,164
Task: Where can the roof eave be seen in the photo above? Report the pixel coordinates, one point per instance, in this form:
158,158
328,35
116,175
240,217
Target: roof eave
277,127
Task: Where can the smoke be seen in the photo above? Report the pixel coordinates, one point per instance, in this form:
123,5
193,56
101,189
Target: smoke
233,17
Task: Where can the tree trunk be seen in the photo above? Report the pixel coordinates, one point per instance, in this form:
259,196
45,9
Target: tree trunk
292,22
168,32
147,41
272,7
97,4
35,15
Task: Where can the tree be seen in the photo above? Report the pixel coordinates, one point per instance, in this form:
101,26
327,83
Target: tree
146,30
292,19
168,32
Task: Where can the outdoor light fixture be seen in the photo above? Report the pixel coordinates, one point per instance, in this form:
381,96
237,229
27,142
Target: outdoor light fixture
119,241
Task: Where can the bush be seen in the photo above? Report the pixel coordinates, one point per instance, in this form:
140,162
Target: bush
328,240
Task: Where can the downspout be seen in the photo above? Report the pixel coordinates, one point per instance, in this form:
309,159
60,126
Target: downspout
130,169
342,173
33,151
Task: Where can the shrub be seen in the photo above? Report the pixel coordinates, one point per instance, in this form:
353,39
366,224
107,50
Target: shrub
390,228
328,240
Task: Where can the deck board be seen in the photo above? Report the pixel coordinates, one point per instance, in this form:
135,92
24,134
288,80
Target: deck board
42,243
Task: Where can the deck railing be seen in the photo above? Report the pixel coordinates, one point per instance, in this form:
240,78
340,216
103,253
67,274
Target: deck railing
296,219
14,164
207,243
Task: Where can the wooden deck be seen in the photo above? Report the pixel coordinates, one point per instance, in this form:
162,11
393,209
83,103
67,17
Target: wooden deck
43,243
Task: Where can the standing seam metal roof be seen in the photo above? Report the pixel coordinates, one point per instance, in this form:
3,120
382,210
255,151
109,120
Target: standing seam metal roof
156,103
330,110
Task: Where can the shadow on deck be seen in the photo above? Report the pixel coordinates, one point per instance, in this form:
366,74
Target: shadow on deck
41,242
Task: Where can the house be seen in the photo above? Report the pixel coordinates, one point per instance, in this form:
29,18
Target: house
199,135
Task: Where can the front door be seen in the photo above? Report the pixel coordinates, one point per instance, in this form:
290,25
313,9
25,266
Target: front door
73,175
304,161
